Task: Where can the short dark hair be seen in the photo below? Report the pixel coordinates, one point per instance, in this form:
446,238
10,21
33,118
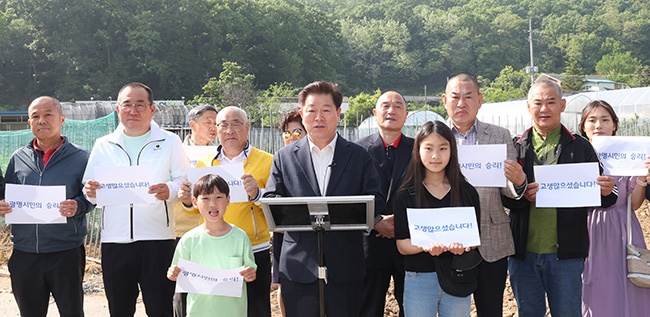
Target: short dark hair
209,184
463,77
198,111
139,85
321,88
591,107
292,116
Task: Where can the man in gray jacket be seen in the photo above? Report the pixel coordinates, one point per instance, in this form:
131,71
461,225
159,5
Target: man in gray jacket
49,258
463,99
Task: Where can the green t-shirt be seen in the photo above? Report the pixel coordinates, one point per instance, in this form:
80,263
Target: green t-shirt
542,225
134,144
229,251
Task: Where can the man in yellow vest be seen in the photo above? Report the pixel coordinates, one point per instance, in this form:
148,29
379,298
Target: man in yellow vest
232,130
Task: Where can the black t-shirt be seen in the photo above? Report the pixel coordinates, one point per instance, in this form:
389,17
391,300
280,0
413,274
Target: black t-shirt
423,262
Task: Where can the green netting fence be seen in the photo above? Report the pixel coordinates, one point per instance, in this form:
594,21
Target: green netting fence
80,132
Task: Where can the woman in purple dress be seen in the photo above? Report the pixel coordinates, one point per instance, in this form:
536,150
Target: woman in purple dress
606,291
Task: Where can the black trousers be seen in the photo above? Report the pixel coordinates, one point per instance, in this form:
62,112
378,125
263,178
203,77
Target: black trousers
259,291
35,275
488,297
143,263
341,299
375,286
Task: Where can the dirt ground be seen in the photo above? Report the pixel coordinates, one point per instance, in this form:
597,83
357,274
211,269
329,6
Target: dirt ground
95,303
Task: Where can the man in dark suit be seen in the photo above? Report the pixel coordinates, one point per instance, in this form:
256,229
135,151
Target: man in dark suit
323,164
391,150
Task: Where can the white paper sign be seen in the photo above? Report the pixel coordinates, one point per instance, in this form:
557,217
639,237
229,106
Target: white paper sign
232,173
444,225
197,153
122,185
483,164
32,204
200,279
623,155
567,185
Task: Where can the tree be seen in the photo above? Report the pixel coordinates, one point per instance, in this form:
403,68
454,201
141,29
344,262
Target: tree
360,108
642,78
618,66
509,85
272,103
233,88
574,78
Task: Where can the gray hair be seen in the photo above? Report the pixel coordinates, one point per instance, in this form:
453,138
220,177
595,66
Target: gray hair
236,109
545,84
198,111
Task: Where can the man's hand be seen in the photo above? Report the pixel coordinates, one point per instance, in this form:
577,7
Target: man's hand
249,274
386,227
172,272
91,188
531,192
68,208
161,190
184,193
514,172
4,208
250,185
606,184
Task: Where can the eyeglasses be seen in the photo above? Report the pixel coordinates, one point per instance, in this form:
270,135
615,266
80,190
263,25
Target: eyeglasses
138,106
235,126
295,133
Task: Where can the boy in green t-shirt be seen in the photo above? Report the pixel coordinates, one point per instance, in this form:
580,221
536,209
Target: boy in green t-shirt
216,244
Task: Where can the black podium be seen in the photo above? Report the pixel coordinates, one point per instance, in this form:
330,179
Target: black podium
320,214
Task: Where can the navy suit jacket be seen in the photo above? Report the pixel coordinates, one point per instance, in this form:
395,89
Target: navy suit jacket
292,175
382,252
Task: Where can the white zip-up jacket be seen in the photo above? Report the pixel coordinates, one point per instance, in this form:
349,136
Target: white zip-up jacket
164,153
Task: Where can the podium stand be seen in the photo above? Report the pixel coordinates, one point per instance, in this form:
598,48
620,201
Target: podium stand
320,214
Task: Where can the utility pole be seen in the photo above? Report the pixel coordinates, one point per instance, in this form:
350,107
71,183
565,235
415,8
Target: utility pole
531,69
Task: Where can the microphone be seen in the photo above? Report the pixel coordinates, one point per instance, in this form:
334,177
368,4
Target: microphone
332,164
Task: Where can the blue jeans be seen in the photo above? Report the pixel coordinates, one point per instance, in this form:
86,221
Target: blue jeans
424,297
543,274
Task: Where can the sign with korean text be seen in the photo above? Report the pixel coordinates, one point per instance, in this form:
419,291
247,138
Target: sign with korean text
483,165
122,185
567,185
622,155
443,225
32,204
199,279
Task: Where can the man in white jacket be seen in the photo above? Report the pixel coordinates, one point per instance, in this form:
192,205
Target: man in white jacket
138,239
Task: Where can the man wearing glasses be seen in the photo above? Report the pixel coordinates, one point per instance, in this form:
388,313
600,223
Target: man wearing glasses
232,130
138,240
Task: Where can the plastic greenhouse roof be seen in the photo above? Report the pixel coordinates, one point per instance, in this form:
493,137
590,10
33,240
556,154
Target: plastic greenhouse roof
414,120
628,104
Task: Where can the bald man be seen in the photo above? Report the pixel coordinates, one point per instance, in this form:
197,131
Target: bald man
391,150
49,258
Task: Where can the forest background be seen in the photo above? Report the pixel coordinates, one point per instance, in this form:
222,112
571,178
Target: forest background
190,49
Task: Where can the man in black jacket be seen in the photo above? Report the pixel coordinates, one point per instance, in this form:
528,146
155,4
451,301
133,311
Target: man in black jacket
550,243
391,150
49,258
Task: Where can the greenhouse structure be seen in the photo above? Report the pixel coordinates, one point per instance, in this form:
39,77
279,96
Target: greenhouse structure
631,105
414,121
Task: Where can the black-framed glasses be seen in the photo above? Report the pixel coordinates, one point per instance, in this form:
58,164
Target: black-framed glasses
235,126
137,106
295,133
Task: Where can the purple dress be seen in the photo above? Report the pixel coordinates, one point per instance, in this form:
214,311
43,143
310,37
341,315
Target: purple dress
606,291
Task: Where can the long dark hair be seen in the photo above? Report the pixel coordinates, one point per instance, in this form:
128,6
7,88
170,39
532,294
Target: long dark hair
416,171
